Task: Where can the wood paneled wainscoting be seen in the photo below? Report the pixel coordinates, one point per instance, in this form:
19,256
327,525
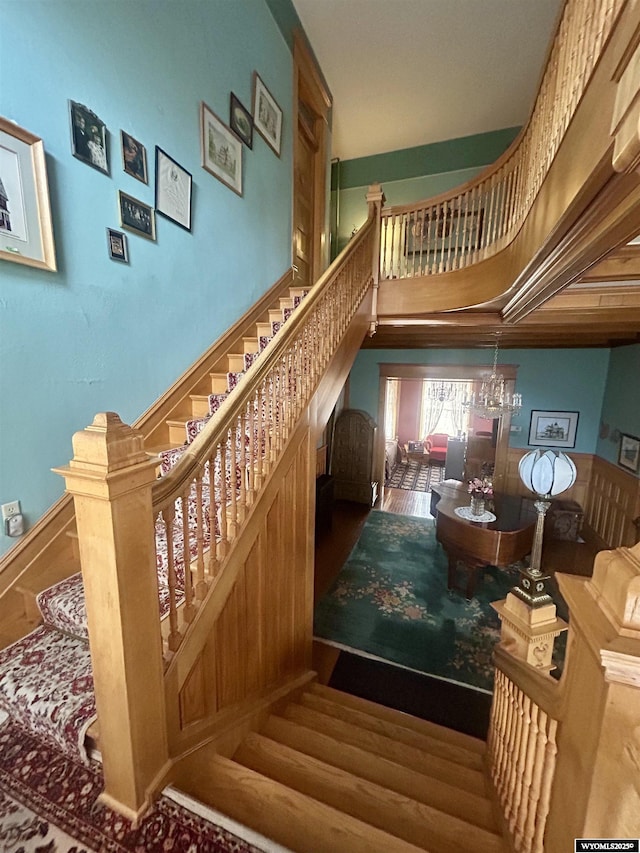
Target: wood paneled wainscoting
609,496
612,504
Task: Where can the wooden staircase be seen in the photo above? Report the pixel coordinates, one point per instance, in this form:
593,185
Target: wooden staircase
57,557
331,772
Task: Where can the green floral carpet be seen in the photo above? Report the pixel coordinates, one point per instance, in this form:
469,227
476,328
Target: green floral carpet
391,601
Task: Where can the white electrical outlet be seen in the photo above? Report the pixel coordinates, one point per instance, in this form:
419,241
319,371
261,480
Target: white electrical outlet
10,509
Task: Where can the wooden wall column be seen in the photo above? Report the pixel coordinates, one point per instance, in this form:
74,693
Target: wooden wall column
375,201
110,478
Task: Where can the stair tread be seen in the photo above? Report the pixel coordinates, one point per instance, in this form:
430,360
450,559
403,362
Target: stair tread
370,802
465,778
280,813
375,768
400,718
411,737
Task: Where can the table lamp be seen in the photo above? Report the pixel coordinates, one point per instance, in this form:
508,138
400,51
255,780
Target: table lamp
547,473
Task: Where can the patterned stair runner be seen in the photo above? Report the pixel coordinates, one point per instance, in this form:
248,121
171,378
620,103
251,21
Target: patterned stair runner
46,680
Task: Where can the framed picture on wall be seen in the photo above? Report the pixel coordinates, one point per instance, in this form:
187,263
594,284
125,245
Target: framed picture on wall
136,216
436,230
88,137
134,157
173,190
117,245
267,115
629,453
26,232
221,150
241,121
553,429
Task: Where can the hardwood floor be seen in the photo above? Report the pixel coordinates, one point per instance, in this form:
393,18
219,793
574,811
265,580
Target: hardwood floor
333,548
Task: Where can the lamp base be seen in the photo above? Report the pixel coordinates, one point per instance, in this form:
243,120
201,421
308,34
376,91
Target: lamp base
532,588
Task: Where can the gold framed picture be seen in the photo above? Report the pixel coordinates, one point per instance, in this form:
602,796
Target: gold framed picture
26,231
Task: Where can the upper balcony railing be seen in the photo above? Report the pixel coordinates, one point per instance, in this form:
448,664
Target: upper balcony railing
475,221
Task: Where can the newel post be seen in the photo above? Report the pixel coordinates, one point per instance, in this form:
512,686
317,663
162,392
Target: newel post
110,478
375,201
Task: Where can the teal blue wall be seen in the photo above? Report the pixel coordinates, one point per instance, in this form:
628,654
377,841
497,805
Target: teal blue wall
99,335
621,404
409,175
549,379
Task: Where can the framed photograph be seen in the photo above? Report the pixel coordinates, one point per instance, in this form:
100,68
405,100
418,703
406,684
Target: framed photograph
136,216
117,244
267,115
553,429
173,190
241,121
629,453
88,137
221,150
437,230
134,157
26,232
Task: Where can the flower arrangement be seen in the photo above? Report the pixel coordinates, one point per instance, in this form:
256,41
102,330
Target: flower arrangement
480,488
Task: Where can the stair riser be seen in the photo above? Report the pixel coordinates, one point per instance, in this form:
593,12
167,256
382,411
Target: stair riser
448,751
373,768
460,777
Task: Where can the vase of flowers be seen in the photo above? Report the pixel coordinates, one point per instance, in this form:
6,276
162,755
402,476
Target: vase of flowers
480,491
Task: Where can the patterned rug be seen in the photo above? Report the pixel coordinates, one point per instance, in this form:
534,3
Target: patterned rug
48,804
390,601
414,476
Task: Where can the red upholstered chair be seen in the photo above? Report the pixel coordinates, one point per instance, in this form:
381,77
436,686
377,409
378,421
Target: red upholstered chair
436,446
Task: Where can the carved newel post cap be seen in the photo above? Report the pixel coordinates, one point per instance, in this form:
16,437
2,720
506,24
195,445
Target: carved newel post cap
108,444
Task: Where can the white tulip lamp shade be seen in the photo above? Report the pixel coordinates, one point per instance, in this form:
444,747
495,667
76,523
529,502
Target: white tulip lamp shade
547,472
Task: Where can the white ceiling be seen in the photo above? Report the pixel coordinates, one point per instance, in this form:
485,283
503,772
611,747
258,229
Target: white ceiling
409,72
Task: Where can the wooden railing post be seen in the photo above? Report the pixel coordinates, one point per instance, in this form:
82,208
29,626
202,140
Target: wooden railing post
596,791
375,201
110,478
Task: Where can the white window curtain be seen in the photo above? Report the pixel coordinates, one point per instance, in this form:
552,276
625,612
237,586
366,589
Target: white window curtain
447,416
391,410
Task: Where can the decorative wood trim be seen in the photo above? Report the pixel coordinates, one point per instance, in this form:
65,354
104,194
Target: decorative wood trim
309,87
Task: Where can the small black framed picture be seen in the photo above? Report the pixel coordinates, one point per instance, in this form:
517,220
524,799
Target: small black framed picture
241,121
134,157
173,190
117,243
137,216
88,137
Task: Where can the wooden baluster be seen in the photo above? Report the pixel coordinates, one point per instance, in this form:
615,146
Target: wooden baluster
201,586
223,544
214,515
527,779
242,437
174,639
550,752
539,725
458,241
495,743
189,609
523,736
393,272
233,485
514,744
253,446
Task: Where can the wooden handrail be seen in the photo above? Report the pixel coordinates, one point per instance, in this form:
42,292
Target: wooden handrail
202,504
473,222
196,454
